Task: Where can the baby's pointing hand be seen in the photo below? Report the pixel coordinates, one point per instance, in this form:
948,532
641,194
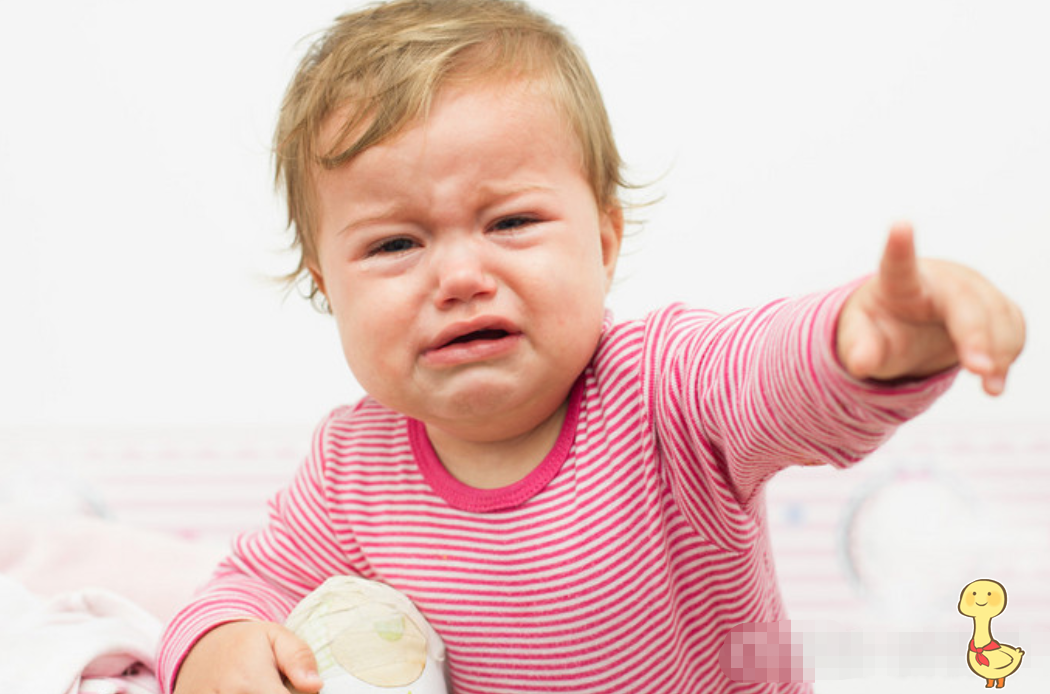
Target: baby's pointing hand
918,317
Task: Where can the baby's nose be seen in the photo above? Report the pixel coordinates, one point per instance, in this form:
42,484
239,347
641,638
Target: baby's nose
462,275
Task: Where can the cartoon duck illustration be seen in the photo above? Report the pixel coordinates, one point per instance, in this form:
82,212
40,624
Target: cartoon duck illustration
982,600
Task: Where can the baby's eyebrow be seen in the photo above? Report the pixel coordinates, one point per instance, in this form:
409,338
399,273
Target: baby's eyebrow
506,190
385,213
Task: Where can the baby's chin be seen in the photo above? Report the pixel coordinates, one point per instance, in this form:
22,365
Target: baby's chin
494,413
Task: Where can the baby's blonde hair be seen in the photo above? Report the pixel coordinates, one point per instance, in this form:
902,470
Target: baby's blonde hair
383,66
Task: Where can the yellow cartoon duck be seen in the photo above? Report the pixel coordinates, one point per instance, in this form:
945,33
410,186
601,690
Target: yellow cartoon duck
989,659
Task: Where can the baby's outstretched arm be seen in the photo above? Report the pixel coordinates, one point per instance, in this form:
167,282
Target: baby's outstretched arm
248,657
916,317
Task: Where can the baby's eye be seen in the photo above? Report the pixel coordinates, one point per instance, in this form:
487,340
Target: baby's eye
510,223
389,246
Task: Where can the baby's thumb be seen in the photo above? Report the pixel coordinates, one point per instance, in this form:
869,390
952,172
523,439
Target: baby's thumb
296,661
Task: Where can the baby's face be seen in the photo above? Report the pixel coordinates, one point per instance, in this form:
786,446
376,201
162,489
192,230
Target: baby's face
466,262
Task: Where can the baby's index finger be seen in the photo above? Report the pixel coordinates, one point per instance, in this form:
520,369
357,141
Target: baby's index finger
899,268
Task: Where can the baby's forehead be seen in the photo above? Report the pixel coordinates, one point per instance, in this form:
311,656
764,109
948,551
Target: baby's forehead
358,124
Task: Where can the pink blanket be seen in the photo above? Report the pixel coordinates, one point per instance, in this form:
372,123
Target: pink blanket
83,602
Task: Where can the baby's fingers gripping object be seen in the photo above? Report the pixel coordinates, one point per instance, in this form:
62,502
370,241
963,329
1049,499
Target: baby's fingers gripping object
369,639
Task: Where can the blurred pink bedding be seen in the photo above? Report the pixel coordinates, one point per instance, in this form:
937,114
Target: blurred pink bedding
83,601
83,642
155,571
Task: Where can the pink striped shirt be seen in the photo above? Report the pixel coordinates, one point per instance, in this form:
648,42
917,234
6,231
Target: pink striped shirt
624,559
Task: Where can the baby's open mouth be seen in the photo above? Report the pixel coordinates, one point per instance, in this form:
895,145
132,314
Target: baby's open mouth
477,335
484,338
479,341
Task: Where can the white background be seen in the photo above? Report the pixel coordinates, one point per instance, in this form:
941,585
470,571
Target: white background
140,225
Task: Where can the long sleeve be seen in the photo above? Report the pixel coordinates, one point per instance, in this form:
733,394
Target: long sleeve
736,398
269,571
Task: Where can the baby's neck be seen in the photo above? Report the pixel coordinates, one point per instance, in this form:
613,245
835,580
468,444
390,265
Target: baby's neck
496,464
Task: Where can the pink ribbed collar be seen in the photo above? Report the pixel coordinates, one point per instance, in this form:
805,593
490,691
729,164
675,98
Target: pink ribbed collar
467,498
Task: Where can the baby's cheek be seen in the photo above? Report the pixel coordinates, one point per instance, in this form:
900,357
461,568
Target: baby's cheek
968,600
995,599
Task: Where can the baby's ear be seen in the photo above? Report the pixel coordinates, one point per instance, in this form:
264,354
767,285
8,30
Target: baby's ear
611,229
318,278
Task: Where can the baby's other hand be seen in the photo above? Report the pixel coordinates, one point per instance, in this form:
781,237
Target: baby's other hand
248,658
917,317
